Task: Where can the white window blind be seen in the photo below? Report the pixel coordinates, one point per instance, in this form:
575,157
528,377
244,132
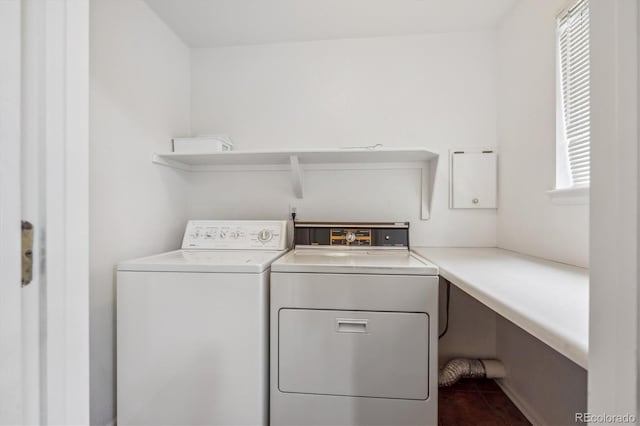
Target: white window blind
573,39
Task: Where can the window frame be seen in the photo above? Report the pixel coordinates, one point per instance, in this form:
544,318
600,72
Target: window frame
564,192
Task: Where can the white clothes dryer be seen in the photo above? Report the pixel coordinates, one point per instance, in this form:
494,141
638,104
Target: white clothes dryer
353,329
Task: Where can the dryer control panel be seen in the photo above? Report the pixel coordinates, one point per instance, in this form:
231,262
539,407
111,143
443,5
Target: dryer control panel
358,234
236,234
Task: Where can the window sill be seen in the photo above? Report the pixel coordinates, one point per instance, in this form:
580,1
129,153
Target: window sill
578,195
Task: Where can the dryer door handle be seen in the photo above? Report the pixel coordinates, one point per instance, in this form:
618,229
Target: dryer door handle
351,325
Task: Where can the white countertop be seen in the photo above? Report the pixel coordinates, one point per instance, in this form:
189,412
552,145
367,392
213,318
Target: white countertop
547,299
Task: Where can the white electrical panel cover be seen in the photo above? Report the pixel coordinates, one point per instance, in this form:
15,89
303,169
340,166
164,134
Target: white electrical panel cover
473,179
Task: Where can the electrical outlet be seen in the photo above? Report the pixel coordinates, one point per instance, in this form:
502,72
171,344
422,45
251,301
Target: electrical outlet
293,211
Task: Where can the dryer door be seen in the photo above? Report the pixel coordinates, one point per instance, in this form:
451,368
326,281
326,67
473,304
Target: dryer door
354,353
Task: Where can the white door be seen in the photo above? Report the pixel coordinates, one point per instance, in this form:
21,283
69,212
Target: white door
44,339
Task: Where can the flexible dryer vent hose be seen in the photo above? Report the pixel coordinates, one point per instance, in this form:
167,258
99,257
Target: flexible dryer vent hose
459,368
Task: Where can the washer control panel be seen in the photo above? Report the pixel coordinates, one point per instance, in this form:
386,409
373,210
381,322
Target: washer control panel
236,234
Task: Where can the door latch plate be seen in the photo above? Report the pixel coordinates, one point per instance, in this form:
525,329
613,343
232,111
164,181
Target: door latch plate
27,252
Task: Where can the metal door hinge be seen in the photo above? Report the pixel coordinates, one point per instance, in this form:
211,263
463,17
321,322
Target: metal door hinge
27,252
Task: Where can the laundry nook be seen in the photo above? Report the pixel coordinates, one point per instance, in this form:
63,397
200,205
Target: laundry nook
319,213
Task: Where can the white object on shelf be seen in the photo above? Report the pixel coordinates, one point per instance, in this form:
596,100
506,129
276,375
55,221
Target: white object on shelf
473,179
297,161
202,144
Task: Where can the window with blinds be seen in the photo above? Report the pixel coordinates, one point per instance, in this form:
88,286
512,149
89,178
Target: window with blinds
573,75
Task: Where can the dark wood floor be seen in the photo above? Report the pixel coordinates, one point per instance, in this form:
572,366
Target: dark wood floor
477,403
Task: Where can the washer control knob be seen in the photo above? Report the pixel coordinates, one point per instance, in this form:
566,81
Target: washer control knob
265,235
350,237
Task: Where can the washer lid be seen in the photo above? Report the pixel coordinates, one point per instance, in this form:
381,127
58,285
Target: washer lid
382,262
232,261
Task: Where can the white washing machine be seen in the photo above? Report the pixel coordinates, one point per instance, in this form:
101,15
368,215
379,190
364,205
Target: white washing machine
353,328
192,327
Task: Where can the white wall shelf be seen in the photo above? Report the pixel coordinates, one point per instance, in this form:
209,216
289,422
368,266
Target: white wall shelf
296,161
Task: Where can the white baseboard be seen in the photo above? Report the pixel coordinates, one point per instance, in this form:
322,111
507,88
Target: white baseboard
519,402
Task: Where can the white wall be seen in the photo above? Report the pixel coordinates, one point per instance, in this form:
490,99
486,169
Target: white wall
436,91
472,327
139,99
528,221
546,386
